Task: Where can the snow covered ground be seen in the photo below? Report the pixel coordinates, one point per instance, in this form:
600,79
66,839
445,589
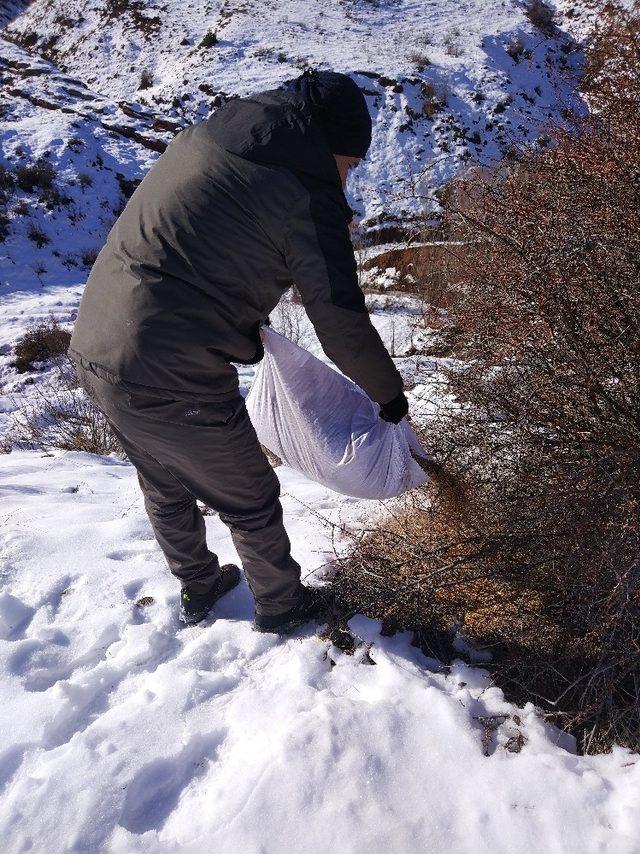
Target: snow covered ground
122,731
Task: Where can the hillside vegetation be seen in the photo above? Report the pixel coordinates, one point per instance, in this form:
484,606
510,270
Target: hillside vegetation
528,541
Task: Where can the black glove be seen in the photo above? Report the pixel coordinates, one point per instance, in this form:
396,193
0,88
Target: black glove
395,410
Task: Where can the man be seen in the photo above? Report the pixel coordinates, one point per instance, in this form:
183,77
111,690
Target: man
237,208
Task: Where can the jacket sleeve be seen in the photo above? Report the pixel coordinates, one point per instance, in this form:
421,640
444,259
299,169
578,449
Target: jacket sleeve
319,255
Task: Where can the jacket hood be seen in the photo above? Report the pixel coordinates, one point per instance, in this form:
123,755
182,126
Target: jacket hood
337,102
275,127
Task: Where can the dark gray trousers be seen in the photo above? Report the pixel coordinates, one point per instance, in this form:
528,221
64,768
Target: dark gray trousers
185,451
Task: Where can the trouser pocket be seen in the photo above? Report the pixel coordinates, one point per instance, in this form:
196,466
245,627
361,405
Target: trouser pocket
185,412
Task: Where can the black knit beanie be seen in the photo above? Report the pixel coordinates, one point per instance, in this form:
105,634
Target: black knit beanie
340,107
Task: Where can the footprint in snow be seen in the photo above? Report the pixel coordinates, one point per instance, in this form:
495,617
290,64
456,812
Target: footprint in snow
44,661
155,790
86,695
132,588
15,616
130,554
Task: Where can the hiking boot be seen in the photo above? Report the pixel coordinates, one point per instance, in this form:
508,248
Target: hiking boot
194,607
314,605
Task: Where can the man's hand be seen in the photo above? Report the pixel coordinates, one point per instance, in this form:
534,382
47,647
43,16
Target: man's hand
395,410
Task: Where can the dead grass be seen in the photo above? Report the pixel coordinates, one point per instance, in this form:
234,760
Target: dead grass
44,342
57,414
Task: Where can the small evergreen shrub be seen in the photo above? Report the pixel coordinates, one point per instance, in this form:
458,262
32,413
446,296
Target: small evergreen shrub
209,40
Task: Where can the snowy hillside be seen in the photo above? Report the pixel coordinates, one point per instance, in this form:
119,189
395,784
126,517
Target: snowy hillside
444,85
69,157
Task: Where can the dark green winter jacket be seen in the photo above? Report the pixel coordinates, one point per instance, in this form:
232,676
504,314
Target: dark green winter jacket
237,208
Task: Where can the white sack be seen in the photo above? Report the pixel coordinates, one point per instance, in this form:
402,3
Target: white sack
323,425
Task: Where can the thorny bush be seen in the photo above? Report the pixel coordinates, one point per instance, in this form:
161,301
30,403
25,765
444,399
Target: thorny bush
530,545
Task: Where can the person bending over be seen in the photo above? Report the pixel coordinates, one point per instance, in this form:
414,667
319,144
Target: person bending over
237,209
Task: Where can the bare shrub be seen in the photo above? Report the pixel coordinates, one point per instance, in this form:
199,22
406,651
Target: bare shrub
89,257
21,208
146,79
137,12
528,540
44,342
39,175
289,320
7,179
57,414
434,97
127,185
38,236
541,16
451,43
76,143
262,51
419,60
516,48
